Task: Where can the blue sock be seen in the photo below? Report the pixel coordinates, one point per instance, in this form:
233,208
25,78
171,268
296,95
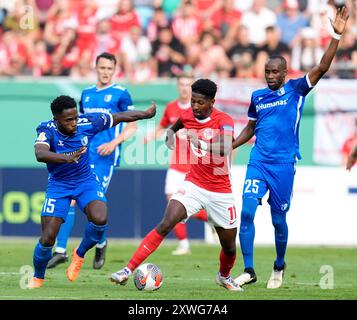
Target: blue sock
281,237
41,256
103,239
66,229
92,235
247,230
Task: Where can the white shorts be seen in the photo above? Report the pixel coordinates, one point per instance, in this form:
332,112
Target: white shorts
174,180
220,207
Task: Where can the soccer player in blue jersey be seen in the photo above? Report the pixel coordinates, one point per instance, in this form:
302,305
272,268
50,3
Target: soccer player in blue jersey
62,144
274,118
105,149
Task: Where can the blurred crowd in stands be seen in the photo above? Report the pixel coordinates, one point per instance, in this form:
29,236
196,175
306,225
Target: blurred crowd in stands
163,38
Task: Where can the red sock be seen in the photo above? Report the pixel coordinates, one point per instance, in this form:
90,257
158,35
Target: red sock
201,215
226,264
149,244
180,231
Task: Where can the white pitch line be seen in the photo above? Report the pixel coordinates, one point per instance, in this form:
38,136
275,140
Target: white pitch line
37,297
305,283
9,273
166,278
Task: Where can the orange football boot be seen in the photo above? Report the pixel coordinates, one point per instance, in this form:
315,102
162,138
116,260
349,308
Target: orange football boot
75,267
35,283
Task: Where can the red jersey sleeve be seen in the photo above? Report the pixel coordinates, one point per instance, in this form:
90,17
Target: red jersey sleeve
226,125
165,120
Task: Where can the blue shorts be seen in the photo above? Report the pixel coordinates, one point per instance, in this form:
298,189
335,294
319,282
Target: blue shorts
277,178
60,193
104,172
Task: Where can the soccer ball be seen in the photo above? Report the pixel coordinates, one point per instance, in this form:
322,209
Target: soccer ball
148,276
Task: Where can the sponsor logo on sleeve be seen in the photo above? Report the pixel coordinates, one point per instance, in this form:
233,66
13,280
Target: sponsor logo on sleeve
227,127
42,137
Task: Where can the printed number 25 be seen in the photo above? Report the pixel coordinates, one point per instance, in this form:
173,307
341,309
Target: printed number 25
251,186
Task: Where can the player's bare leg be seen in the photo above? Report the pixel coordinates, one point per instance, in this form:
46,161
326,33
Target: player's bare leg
180,232
60,254
227,238
175,212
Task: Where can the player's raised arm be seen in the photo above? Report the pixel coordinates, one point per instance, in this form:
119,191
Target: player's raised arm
339,26
156,134
246,134
43,154
130,116
170,133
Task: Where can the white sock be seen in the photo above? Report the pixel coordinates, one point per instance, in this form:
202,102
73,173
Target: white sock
60,250
184,244
101,245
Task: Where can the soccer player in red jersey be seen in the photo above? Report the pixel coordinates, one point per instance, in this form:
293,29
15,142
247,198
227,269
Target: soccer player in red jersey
179,162
206,186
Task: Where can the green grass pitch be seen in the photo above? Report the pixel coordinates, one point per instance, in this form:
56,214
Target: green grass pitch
188,277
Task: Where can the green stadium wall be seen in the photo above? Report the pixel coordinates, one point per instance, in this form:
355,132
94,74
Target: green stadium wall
25,103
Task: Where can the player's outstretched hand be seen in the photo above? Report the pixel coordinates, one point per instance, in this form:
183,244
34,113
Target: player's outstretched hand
150,112
106,149
339,25
75,156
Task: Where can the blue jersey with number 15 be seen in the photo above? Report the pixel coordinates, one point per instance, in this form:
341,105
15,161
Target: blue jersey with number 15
87,127
277,115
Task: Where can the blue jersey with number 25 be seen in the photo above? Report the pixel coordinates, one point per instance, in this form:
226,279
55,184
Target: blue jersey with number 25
277,115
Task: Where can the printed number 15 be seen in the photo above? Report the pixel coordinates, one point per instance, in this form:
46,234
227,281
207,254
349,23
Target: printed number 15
49,205
251,186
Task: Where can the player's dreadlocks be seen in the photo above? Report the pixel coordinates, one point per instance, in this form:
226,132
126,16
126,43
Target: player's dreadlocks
61,103
205,87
